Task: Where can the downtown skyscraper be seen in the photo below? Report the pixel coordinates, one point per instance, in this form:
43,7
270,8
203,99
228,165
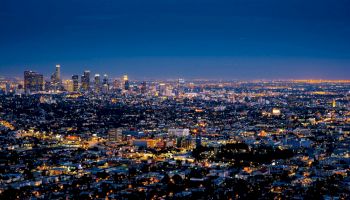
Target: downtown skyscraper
85,81
97,85
75,79
33,81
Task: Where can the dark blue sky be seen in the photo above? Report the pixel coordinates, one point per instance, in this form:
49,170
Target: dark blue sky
237,39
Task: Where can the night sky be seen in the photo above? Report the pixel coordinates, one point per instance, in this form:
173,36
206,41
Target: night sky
237,39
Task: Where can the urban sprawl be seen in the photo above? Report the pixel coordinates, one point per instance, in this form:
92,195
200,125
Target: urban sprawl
93,137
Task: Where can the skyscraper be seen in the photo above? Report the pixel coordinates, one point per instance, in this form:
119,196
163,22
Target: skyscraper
56,83
75,79
85,81
180,86
126,82
33,81
68,85
162,89
105,79
105,84
97,85
58,73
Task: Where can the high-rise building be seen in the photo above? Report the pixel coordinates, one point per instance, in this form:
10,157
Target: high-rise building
58,73
75,79
68,85
56,83
126,82
85,81
33,81
105,84
97,85
105,79
162,89
180,86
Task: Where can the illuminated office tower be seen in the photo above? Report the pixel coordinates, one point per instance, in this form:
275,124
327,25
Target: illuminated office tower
126,82
105,83
97,85
69,85
180,86
75,79
56,83
85,81
56,76
162,89
58,73
105,79
33,81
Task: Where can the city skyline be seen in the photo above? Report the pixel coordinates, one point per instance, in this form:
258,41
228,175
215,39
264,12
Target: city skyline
175,99
168,39
249,73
